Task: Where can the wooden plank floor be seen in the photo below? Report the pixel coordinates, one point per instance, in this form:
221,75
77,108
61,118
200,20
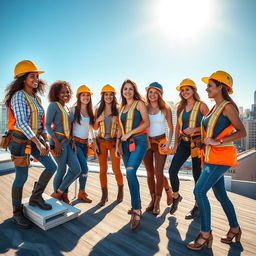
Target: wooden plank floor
105,230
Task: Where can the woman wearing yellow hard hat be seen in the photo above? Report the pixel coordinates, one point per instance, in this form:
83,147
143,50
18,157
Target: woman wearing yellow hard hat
159,114
58,124
82,130
107,121
27,135
220,128
133,122
190,111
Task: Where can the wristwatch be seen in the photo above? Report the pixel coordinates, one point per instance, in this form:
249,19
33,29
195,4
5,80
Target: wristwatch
220,141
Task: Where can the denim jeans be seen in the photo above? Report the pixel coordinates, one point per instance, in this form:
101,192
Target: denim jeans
21,173
82,150
180,157
213,177
63,178
132,161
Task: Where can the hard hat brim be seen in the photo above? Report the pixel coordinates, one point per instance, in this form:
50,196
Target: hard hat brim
108,91
179,87
148,87
206,81
91,93
32,71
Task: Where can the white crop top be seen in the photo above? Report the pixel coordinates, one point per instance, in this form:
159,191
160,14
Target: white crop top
82,130
157,124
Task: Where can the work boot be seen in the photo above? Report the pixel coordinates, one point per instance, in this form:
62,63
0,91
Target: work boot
65,198
104,197
82,195
57,195
193,214
151,204
156,209
175,203
120,194
36,198
19,218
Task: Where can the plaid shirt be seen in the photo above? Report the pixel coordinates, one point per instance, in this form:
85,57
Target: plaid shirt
22,114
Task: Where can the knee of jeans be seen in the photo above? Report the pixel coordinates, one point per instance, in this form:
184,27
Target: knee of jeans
20,181
53,168
198,192
130,173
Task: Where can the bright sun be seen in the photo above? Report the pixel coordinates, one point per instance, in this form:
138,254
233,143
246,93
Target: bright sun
183,19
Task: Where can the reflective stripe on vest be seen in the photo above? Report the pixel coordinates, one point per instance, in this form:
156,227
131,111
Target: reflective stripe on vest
103,128
192,118
33,112
65,121
211,125
129,118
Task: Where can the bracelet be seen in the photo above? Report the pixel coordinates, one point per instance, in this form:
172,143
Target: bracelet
220,141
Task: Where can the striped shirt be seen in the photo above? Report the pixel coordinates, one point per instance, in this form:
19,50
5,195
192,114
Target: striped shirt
22,114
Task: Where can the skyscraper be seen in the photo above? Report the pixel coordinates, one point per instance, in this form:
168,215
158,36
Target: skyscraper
3,118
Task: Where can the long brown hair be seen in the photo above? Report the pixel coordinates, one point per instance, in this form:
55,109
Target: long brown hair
225,94
77,114
102,104
182,104
136,96
18,84
163,105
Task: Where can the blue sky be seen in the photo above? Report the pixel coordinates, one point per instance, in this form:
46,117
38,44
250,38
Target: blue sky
95,42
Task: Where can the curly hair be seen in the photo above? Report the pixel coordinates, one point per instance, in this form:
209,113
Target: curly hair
55,88
18,84
136,96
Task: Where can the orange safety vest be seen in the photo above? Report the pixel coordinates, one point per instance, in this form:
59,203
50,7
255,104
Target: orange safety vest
65,122
103,128
129,119
34,115
223,154
192,118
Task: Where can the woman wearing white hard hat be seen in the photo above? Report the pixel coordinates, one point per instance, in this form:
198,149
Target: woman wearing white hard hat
219,128
27,134
190,111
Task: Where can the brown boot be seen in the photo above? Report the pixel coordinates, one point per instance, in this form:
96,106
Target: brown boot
65,198
82,195
104,197
156,209
19,218
169,195
120,195
135,220
57,195
151,204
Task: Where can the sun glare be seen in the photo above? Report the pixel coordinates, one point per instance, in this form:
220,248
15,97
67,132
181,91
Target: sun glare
183,19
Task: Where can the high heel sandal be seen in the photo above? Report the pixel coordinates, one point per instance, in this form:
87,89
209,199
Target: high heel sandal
135,222
156,209
196,246
230,235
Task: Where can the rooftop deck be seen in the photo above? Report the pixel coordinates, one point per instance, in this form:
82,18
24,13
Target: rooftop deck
105,230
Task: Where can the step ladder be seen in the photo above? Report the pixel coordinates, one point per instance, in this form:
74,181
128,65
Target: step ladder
59,214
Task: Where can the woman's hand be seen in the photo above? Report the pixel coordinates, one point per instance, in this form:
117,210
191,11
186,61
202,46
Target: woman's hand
42,149
58,148
100,118
47,146
96,148
165,147
189,131
211,141
73,146
126,136
175,148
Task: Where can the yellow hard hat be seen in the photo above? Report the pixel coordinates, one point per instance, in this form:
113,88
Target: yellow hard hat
26,66
83,88
186,82
108,88
222,77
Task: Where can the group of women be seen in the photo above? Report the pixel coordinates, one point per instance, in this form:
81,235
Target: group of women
135,132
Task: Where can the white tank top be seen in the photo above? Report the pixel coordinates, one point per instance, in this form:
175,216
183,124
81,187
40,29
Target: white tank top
157,124
82,130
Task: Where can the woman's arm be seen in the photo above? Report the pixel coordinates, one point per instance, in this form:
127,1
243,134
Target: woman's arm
168,116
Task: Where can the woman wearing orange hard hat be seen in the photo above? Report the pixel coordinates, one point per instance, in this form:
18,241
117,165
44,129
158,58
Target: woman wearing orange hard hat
27,134
219,128
159,114
82,131
190,111
107,122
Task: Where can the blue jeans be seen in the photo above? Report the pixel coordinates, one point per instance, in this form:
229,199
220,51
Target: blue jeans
213,177
132,161
63,179
21,173
82,150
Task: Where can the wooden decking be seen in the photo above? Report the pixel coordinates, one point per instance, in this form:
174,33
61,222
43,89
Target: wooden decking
105,230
